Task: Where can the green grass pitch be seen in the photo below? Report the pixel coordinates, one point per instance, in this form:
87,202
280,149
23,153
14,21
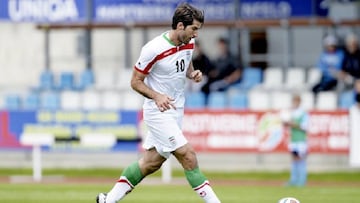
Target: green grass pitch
327,187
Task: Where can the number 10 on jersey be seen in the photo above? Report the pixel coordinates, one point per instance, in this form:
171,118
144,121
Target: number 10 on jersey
180,65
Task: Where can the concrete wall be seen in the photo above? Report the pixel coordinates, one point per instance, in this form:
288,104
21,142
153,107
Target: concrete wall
212,161
306,44
21,54
22,49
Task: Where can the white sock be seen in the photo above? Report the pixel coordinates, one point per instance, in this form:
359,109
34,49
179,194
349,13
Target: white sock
206,192
120,189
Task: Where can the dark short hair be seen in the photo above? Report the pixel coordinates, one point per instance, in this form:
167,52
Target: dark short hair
186,14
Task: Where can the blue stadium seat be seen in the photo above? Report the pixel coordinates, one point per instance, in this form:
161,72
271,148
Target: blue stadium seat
347,99
86,79
195,100
31,101
12,102
66,81
50,101
46,80
251,77
238,100
217,100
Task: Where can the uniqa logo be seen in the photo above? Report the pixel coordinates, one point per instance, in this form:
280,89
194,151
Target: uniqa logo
42,10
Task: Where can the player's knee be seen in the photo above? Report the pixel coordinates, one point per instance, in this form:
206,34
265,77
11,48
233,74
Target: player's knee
187,157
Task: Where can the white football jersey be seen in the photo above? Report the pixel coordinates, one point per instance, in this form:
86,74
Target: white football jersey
166,65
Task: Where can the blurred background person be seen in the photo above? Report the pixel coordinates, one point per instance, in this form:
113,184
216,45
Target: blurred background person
200,59
297,123
200,62
350,69
330,64
226,70
357,93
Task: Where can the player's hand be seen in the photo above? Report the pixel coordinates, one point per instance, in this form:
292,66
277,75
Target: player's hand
286,123
164,102
196,75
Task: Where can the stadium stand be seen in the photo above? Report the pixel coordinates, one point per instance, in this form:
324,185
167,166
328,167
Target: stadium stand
346,99
195,100
259,100
123,79
46,80
105,79
238,100
70,100
326,101
49,100
108,89
66,81
131,100
273,78
31,101
110,100
217,100
90,100
86,80
280,100
295,78
307,100
12,101
251,77
313,77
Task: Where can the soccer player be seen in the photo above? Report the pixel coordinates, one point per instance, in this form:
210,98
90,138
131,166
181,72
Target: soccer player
298,125
160,75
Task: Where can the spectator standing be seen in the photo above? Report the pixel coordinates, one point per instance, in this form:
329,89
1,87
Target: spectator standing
297,125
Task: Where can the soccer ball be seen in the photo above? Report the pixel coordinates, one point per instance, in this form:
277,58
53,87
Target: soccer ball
289,200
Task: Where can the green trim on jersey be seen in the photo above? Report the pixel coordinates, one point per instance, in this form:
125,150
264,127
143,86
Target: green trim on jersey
167,39
298,135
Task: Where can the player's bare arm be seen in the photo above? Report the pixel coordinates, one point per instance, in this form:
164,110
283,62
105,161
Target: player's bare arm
163,102
192,74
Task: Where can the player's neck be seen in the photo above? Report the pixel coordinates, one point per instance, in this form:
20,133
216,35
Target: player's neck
174,38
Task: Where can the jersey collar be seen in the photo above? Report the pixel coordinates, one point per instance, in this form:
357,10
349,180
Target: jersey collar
166,37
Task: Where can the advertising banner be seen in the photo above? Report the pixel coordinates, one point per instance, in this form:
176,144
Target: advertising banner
278,9
67,126
247,131
207,131
43,10
123,11
129,11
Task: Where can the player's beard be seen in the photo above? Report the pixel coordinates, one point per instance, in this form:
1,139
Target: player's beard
184,39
